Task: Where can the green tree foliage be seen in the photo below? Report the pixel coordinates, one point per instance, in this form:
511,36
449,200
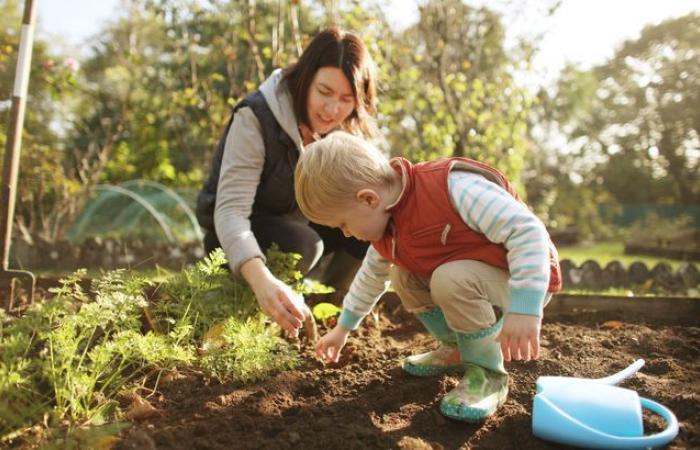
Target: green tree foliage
449,89
46,195
649,95
623,132
633,124
561,183
167,74
153,95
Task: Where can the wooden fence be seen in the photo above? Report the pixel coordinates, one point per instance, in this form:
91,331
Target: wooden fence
590,275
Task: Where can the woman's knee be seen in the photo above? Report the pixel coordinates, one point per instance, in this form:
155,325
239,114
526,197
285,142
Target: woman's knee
334,240
290,237
210,242
310,252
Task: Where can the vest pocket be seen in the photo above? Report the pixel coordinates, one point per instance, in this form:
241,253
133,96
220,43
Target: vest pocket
433,232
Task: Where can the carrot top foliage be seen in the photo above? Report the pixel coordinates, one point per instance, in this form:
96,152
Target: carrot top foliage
69,360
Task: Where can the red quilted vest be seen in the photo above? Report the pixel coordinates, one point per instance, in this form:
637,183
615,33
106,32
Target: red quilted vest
426,231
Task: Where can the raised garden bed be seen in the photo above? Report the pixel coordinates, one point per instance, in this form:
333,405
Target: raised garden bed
367,401
684,245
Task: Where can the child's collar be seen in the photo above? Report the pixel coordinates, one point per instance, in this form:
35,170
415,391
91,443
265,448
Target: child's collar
404,168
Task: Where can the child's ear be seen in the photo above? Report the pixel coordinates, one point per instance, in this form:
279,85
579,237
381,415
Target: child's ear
368,197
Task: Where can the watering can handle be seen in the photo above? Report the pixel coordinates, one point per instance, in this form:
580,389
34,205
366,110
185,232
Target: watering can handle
623,374
655,440
666,436
621,442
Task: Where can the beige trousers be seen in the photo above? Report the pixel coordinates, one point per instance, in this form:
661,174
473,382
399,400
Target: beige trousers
467,292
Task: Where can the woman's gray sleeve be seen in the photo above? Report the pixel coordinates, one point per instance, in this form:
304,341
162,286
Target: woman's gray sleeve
241,167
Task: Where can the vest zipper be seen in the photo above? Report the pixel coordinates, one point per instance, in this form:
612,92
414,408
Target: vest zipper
392,230
445,232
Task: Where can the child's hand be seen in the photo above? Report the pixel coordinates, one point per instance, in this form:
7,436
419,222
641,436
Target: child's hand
329,346
520,337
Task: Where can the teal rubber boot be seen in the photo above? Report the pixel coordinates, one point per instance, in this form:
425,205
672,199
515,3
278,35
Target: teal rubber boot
444,359
484,387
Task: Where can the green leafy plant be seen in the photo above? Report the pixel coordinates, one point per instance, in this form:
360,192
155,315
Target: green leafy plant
66,362
199,299
192,301
68,358
326,313
250,351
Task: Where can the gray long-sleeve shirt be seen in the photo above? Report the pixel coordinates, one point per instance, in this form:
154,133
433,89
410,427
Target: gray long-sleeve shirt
241,169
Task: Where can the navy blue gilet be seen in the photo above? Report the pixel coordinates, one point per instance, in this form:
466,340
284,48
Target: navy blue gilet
275,192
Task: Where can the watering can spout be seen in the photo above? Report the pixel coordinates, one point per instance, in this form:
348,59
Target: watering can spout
558,382
623,374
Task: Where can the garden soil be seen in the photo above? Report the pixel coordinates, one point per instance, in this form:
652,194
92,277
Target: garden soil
366,401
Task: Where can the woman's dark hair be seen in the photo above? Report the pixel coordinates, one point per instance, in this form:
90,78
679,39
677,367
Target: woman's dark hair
335,48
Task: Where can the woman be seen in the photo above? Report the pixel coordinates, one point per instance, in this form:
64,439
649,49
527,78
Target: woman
248,201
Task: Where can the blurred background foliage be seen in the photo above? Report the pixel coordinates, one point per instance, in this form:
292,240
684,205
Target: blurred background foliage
151,97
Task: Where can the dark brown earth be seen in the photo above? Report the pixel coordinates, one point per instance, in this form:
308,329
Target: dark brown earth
367,401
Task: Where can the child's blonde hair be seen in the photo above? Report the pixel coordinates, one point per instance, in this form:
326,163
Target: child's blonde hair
332,170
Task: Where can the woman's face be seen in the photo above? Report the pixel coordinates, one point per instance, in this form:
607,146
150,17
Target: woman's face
330,100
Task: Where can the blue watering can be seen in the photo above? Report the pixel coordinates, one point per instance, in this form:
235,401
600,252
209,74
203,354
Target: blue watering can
594,413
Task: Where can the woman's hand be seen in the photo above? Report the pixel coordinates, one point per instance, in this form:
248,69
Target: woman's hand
520,337
277,300
329,346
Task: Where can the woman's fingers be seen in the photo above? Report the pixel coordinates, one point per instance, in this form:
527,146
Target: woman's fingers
295,310
283,320
286,313
282,305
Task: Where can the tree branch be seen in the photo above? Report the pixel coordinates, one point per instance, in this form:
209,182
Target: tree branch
257,59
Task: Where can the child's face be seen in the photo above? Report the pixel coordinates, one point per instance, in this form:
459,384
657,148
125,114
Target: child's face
365,218
330,100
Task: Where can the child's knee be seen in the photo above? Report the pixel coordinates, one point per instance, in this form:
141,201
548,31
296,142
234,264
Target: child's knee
450,280
468,279
404,281
413,290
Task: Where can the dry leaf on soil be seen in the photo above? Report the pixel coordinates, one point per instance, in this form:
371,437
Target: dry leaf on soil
214,338
612,325
140,409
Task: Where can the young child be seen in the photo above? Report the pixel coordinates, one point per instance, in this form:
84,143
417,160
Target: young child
461,250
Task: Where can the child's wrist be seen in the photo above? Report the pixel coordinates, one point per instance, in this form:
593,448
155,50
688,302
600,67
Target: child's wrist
526,301
349,320
342,329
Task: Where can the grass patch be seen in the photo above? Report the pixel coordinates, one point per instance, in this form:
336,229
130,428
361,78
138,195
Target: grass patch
605,252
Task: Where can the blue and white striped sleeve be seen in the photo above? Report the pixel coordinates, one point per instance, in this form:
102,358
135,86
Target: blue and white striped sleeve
489,209
370,283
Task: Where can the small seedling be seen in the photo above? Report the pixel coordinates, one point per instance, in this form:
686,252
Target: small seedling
327,314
